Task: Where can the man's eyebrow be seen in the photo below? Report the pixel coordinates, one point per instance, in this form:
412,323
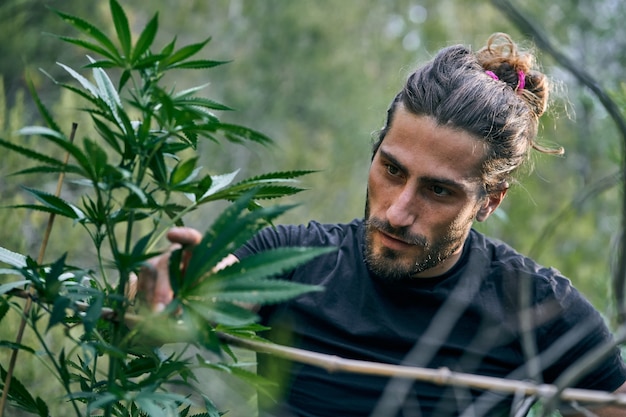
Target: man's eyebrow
431,179
393,160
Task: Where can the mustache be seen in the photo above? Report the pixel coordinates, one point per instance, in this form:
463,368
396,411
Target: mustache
401,233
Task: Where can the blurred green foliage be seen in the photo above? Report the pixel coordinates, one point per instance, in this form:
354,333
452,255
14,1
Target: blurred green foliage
318,76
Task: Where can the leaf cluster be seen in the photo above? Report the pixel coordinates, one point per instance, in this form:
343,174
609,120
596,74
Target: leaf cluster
139,177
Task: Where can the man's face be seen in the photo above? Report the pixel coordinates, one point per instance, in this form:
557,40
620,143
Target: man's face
424,192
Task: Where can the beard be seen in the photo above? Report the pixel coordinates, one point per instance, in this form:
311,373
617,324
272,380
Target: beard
394,266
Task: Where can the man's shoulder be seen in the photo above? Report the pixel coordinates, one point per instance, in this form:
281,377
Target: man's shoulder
501,258
315,232
312,234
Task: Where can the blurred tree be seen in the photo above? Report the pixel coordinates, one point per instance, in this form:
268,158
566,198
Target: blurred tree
26,47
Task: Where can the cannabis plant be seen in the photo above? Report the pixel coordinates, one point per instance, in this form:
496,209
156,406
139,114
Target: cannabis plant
139,174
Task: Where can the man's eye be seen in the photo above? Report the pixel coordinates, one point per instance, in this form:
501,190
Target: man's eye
392,170
440,191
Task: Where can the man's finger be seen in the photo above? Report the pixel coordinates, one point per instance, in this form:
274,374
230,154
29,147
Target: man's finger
184,235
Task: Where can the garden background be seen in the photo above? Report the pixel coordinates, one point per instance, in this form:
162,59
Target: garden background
317,76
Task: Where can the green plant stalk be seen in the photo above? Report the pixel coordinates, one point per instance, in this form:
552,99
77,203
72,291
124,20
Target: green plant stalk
118,321
57,367
120,306
29,301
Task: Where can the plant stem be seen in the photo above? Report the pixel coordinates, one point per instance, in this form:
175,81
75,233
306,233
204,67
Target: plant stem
29,301
58,369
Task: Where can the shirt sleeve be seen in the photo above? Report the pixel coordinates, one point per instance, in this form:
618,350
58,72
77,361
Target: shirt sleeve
578,347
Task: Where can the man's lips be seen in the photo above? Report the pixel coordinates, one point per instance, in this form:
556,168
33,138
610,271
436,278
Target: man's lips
393,242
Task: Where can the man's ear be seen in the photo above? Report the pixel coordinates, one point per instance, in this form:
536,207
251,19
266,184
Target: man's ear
491,203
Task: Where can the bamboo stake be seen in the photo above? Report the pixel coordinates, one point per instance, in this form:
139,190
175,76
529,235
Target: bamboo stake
29,299
441,376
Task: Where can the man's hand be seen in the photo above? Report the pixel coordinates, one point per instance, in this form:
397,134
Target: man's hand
153,283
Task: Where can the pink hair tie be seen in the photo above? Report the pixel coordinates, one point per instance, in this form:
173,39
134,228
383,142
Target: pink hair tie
492,75
521,80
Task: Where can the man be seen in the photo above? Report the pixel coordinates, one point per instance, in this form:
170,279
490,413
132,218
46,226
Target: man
412,282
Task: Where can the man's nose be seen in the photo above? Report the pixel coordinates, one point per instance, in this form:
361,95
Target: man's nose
402,211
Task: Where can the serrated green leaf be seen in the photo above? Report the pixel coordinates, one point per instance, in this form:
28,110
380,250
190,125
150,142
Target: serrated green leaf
97,157
90,98
106,89
133,188
175,274
93,313
102,64
265,184
257,381
19,394
262,192
142,244
57,204
114,57
35,207
50,170
124,79
219,182
42,131
243,133
184,172
160,404
245,281
279,176
13,345
210,407
122,27
60,140
90,30
225,313
58,311
260,292
8,271
148,61
42,407
146,38
184,53
202,102
4,309
87,85
188,93
268,264
52,278
199,64
108,93
14,259
98,400
5,288
43,111
230,230
169,48
141,365
107,134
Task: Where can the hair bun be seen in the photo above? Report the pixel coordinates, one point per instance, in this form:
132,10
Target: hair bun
517,68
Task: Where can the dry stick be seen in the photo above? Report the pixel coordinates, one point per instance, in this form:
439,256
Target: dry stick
441,376
29,299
